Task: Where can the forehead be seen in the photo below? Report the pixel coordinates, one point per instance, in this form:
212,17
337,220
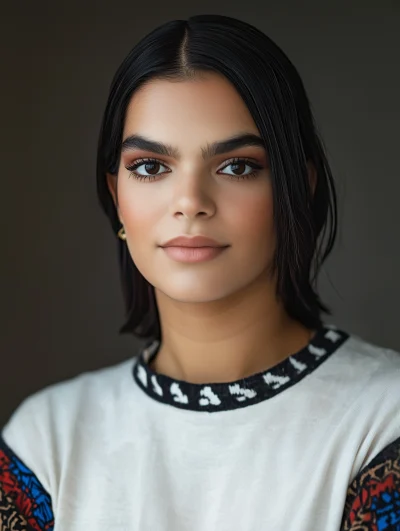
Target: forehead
209,104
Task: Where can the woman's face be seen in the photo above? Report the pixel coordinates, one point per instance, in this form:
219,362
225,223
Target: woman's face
188,192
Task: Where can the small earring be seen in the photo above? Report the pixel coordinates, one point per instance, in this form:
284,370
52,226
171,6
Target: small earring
121,233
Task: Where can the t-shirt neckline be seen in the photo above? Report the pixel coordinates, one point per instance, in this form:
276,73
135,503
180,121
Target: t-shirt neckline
217,396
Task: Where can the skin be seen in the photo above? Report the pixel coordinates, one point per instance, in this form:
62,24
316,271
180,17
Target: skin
220,319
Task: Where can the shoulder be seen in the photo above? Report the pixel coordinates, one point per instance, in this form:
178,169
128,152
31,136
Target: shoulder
373,497
71,397
362,380
365,377
377,356
368,367
378,405
44,426
378,369
42,432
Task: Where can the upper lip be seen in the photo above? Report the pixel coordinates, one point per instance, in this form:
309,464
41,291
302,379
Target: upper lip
192,241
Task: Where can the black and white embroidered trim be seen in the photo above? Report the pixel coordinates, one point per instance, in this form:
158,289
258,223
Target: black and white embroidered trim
241,393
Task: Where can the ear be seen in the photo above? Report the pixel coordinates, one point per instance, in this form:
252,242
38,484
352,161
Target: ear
112,187
312,176
112,183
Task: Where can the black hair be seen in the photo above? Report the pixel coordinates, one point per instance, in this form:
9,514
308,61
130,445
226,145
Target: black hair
269,84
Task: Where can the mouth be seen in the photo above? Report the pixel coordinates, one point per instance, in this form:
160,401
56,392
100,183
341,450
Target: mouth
193,254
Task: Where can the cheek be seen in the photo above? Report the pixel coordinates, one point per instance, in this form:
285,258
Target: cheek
138,210
253,218
139,226
140,217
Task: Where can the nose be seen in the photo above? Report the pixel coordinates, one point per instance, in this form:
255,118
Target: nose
193,198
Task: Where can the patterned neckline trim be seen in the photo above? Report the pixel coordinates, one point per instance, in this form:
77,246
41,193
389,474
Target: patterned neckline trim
212,397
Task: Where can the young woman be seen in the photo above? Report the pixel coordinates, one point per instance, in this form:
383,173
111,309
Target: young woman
243,409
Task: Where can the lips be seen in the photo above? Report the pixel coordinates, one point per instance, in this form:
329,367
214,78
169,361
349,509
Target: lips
193,254
193,241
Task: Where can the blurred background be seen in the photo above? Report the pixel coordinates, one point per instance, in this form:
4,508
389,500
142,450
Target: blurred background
61,301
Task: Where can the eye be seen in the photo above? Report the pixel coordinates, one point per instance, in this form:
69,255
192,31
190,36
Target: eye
239,163
149,165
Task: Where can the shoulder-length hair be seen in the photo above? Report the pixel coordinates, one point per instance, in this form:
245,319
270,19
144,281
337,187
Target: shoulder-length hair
269,84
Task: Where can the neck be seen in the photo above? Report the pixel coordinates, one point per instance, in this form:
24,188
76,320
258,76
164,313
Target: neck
228,339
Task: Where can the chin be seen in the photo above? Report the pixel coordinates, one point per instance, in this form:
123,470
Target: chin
200,291
192,298
195,295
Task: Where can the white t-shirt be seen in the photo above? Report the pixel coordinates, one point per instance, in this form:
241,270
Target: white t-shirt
126,449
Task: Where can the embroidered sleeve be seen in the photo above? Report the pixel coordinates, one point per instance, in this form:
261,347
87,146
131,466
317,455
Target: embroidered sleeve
24,503
11,518
373,498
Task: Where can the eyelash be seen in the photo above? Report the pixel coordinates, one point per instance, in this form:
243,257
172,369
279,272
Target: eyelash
139,162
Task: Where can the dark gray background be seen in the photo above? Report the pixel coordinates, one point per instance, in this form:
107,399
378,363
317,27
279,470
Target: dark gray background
61,303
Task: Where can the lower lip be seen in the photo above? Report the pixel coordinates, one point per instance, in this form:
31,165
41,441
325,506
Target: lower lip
193,254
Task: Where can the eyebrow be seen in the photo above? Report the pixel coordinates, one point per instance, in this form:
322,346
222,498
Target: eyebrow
208,151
